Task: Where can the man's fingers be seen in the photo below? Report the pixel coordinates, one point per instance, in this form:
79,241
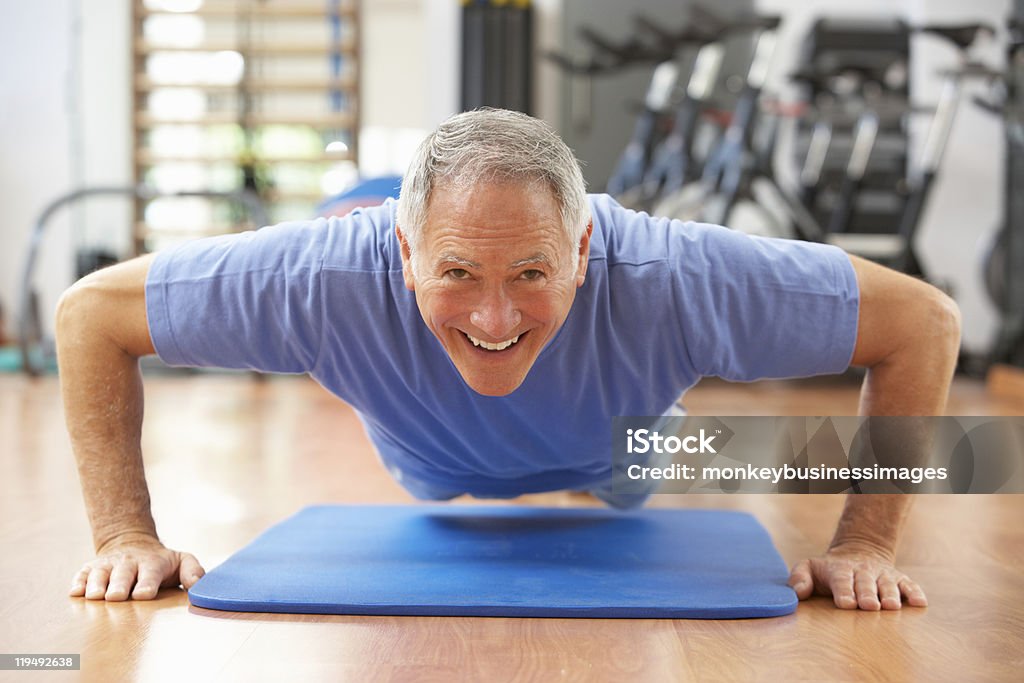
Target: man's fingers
859,580
801,581
191,571
915,596
135,572
151,575
96,586
865,585
77,589
888,592
841,585
122,579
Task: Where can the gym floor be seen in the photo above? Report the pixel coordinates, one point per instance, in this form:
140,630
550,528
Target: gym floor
229,455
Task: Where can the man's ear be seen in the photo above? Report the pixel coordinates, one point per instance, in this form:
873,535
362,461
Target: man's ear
410,282
584,254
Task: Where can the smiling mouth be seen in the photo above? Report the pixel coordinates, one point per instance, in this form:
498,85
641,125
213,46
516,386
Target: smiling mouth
500,346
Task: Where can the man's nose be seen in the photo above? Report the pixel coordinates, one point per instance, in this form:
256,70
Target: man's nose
496,315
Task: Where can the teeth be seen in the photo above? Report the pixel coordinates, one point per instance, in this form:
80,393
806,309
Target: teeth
501,346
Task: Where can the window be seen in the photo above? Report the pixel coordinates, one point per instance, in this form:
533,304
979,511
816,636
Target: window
233,94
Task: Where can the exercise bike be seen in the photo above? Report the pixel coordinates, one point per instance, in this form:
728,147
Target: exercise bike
1003,260
608,57
739,158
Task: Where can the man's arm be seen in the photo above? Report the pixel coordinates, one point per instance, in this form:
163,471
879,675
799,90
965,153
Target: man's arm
908,337
101,333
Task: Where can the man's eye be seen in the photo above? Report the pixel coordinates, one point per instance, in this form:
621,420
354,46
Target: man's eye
458,273
532,274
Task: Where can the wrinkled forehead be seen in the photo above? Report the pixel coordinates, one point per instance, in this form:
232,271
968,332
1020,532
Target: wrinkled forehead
525,210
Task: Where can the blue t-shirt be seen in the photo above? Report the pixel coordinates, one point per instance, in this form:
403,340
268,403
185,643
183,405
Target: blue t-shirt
664,304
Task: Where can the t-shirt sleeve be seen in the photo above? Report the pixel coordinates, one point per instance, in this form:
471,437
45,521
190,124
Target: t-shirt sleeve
756,308
246,301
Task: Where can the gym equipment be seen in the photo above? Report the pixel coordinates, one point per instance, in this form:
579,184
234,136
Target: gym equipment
962,37
1003,266
866,96
672,162
738,159
505,561
856,178
608,57
722,171
920,183
497,54
858,94
845,63
863,142
631,166
660,152
37,350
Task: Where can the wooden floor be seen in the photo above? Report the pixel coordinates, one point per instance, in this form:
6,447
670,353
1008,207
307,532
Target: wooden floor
227,456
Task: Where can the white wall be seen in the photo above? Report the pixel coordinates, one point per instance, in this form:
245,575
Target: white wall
34,130
442,52
65,124
400,47
103,110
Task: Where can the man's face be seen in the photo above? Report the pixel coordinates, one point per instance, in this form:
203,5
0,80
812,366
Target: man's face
495,278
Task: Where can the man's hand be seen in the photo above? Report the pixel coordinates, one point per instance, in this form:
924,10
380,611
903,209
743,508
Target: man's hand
856,577
137,566
908,336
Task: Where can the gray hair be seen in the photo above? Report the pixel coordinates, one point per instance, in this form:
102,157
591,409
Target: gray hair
493,145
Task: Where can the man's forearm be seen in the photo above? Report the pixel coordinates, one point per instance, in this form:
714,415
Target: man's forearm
914,381
103,403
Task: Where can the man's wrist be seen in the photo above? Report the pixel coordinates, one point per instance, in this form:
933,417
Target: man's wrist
133,537
862,546
871,524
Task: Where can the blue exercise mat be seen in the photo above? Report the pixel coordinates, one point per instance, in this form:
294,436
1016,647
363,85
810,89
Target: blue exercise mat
506,561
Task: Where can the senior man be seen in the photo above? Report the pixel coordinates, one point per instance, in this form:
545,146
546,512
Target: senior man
486,329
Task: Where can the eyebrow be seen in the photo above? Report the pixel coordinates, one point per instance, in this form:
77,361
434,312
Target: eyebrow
448,259
531,260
